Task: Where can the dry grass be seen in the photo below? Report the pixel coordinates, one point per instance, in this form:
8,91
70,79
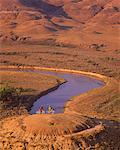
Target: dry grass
35,83
87,59
101,104
42,130
87,42
33,86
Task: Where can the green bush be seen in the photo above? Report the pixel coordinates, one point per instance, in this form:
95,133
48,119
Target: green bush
8,93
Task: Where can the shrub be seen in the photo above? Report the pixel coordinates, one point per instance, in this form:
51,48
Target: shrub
8,93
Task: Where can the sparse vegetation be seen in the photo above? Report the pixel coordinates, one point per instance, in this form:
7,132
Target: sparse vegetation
78,35
9,95
96,32
9,53
76,1
20,94
97,47
52,56
117,51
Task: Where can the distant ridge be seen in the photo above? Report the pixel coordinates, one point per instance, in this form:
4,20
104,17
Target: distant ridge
24,20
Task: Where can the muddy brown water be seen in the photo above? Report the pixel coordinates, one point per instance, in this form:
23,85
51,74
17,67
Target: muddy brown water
76,84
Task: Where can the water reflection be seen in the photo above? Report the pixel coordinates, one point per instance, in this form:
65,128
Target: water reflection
76,84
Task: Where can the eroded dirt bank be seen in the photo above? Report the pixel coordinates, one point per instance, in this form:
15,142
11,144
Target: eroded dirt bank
76,128
33,86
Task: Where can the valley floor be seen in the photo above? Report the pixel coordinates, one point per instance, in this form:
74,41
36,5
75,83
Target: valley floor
93,127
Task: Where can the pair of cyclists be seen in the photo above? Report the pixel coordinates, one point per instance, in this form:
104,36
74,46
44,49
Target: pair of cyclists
49,111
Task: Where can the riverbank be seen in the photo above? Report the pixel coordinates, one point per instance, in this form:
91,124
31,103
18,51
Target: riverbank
33,86
87,59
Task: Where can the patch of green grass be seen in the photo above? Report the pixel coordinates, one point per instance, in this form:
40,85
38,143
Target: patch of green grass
6,93
10,96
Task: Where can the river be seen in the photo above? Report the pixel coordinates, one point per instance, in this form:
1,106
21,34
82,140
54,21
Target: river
76,84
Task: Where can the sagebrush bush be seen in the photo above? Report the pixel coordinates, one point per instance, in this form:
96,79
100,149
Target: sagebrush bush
8,93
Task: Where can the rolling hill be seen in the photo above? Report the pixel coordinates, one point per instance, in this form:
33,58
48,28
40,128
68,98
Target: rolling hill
61,21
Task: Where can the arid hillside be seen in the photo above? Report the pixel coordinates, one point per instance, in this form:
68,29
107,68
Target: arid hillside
63,22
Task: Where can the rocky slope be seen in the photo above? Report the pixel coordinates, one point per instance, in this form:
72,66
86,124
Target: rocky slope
61,21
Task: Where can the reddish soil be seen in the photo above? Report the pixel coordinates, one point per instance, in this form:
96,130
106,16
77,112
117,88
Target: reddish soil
70,130
61,22
70,34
